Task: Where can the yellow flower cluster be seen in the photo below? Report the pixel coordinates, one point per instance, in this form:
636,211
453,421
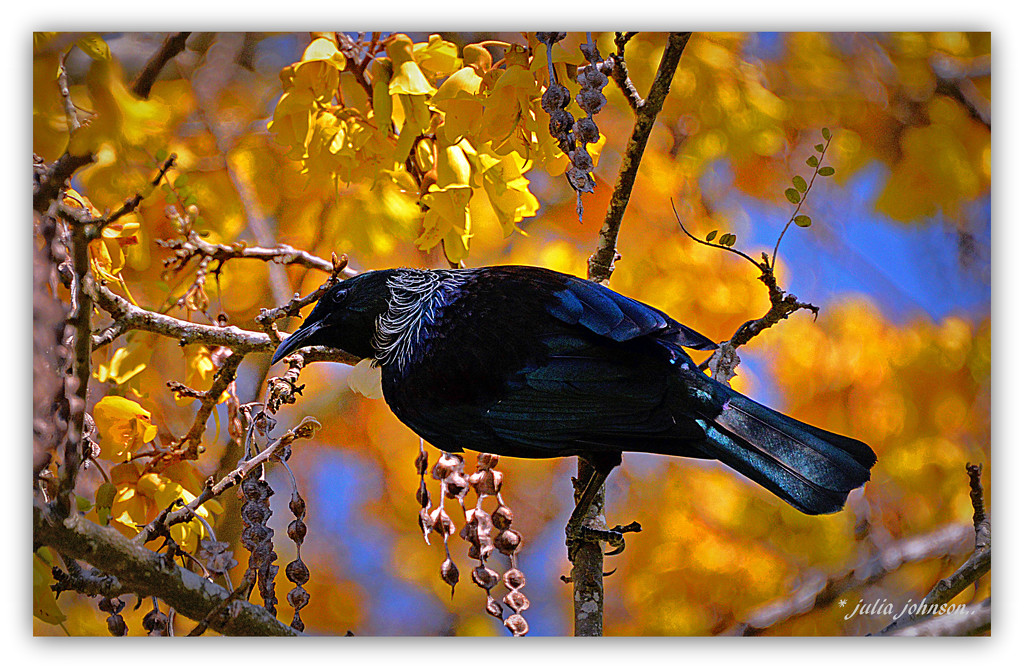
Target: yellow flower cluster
441,128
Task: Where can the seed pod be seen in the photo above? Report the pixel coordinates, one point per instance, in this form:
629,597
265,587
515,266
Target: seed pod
116,625
441,523
484,577
422,495
298,598
297,505
450,573
508,541
586,130
456,486
517,625
514,579
297,530
502,517
485,460
517,601
493,607
297,572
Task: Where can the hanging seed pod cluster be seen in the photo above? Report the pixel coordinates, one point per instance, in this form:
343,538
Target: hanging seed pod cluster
297,571
257,537
573,135
484,532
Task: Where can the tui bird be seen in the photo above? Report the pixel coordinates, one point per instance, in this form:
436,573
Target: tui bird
528,362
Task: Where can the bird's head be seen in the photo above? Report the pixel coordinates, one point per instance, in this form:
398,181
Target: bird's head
344,317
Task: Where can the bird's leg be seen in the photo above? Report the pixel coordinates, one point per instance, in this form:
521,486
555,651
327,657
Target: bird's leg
577,531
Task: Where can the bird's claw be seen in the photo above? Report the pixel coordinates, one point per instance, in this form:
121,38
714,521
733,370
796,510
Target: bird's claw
614,536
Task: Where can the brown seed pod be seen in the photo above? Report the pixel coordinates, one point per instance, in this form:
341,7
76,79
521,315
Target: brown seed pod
514,579
502,517
450,573
484,577
494,608
508,541
517,601
516,624
297,572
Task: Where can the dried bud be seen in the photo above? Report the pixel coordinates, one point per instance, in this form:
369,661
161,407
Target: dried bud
517,625
508,541
502,517
580,180
590,52
486,483
155,623
591,77
446,465
425,524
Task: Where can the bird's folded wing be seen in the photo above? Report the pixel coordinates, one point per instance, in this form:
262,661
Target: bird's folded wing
618,317
586,395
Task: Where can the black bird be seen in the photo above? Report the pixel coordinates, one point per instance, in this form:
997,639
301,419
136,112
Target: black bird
527,362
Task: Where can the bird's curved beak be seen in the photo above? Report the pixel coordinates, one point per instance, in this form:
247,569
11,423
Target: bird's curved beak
295,341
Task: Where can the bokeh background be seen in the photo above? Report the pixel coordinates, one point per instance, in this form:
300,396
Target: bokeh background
898,260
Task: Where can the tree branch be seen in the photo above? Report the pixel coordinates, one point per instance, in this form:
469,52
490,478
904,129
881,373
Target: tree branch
601,263
172,46
147,573
588,557
823,591
976,566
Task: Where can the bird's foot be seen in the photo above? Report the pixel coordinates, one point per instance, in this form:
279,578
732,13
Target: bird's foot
615,537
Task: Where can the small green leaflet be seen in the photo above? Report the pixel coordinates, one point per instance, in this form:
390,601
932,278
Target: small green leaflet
802,220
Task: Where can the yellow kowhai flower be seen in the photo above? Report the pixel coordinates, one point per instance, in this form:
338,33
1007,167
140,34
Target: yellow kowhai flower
124,427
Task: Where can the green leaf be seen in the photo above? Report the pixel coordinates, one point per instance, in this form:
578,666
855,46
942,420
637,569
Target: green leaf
711,236
819,147
104,500
793,196
802,220
161,155
800,184
826,133
827,171
83,504
181,181
812,161
727,240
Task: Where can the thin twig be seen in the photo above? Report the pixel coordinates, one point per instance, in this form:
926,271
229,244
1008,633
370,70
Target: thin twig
303,430
976,566
803,198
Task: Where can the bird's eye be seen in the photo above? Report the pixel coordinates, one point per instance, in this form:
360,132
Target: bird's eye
337,297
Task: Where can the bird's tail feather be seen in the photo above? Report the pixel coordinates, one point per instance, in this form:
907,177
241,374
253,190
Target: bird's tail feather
812,469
